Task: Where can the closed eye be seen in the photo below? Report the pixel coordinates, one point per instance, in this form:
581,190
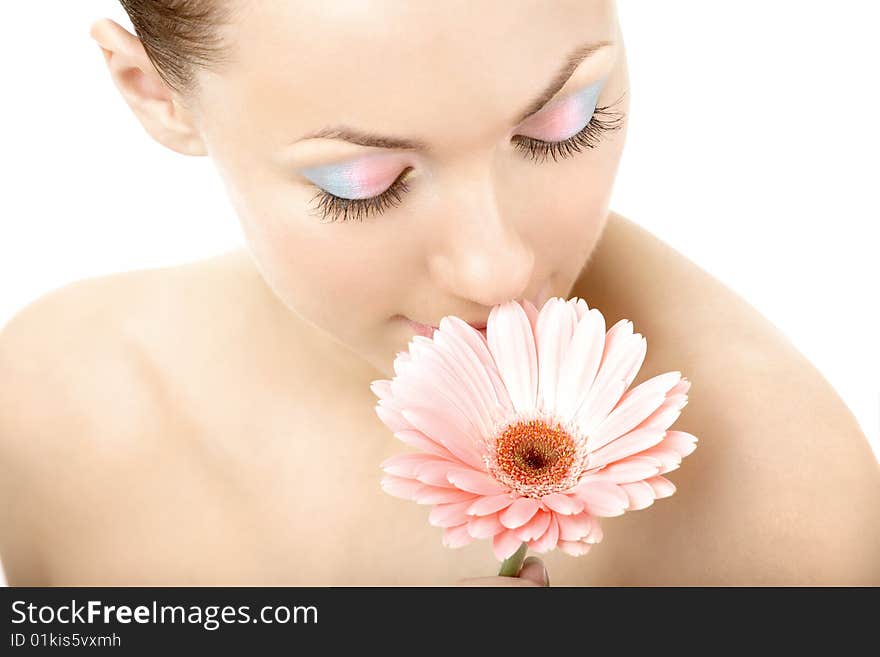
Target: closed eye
602,122
334,208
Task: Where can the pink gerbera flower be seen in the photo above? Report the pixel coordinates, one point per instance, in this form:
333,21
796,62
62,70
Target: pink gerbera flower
529,434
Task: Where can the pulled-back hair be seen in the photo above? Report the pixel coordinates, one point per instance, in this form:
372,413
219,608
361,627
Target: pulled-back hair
180,36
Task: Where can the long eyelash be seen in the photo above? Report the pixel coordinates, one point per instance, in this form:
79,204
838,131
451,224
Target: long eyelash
334,208
593,133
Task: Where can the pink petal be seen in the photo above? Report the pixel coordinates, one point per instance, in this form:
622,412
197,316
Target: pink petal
574,548
683,386
602,398
381,388
634,468
519,512
668,412
579,306
447,432
602,498
680,441
531,313
669,458
472,382
632,443
434,495
634,407
415,438
637,362
467,348
456,537
480,348
400,360
485,506
663,417
406,464
574,528
485,526
581,363
549,539
640,494
449,515
512,344
623,349
672,449
391,402
425,387
596,533
505,544
400,487
564,504
662,486
553,333
475,482
434,473
535,527
441,377
500,389
391,418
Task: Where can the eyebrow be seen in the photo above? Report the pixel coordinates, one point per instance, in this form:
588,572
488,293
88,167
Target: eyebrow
362,138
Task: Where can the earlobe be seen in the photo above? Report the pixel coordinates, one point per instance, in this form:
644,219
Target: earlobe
152,100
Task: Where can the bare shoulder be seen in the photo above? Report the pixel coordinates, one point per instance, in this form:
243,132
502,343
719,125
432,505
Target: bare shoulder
784,487
98,334
85,339
79,395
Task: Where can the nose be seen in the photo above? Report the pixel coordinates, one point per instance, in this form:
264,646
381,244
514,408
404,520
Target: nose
480,254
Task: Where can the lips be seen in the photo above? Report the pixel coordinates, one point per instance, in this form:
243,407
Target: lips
420,329
428,330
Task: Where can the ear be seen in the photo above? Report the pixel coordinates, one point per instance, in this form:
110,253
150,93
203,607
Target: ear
156,105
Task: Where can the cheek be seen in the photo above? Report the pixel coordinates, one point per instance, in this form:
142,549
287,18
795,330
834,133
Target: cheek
568,206
321,279
334,276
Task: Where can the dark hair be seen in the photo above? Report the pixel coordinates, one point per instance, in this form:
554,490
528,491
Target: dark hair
179,36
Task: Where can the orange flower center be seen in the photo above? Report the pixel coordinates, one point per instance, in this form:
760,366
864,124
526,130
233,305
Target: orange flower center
534,458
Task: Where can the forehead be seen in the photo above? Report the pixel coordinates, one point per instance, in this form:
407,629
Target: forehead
380,65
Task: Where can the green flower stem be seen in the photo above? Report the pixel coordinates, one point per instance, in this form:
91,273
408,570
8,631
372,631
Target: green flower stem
510,566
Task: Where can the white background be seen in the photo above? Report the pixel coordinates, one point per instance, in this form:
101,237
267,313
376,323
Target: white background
752,148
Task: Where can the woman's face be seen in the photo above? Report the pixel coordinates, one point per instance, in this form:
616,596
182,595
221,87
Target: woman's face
381,162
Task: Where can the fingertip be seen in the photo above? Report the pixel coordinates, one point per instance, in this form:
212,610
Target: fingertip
533,569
